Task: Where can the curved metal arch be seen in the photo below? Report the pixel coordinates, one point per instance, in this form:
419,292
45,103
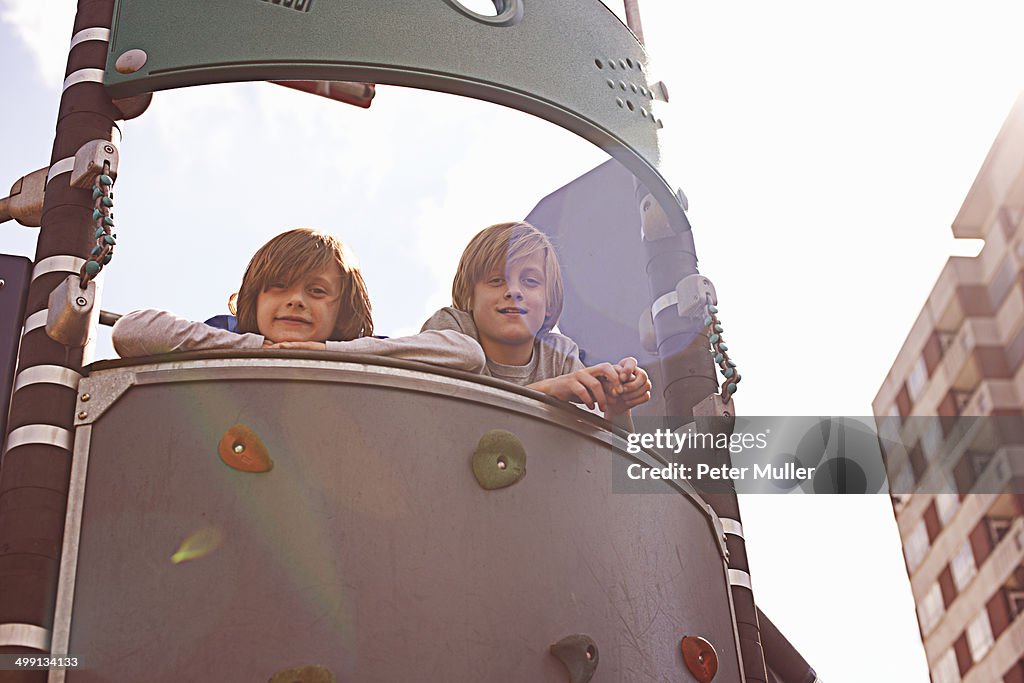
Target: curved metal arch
571,62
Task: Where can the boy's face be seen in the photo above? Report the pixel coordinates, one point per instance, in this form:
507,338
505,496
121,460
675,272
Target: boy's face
306,310
509,308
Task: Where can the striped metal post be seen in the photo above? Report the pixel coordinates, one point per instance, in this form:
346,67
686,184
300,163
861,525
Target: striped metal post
689,378
36,462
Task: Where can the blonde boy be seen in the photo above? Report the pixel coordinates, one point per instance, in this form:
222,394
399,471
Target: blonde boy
507,295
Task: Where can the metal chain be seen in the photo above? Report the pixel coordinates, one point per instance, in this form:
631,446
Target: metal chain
103,220
720,351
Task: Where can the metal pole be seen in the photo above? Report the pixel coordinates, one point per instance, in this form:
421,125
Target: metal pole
35,467
689,377
633,19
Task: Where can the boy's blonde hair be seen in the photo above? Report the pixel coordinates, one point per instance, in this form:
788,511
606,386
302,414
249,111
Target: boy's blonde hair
291,255
493,249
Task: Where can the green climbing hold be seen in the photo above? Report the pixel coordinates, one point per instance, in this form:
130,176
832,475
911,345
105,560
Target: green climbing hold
731,387
714,338
732,363
97,214
728,372
107,202
719,357
707,321
97,193
106,259
108,221
712,308
719,328
723,347
92,268
96,250
100,232
109,239
106,180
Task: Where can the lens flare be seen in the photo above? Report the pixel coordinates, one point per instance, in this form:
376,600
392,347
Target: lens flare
199,544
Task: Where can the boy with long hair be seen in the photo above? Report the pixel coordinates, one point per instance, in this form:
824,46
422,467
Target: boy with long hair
507,295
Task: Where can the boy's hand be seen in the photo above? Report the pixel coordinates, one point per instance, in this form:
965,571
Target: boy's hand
594,385
636,388
309,345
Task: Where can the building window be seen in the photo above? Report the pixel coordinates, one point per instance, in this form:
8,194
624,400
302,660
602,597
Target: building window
961,399
1016,601
904,482
889,426
946,669
916,546
947,505
1001,282
1009,219
918,378
979,636
998,527
931,440
979,462
966,339
930,609
963,567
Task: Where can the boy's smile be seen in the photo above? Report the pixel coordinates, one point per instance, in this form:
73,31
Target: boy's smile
510,308
305,310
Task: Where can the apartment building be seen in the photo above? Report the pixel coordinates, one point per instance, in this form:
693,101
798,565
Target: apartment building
948,413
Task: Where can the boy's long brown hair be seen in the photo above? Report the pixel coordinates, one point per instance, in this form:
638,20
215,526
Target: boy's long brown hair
291,255
493,248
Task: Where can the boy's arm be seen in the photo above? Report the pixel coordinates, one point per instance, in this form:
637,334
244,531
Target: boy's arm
591,386
636,390
574,381
152,331
438,347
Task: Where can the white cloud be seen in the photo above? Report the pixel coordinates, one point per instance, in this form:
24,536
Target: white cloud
45,27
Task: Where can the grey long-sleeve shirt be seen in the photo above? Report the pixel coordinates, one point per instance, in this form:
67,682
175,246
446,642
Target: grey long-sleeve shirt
152,331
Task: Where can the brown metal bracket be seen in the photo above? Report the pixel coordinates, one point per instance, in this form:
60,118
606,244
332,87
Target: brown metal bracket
25,203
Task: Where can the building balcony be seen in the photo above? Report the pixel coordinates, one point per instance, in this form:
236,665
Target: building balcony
991,576
988,498
1007,649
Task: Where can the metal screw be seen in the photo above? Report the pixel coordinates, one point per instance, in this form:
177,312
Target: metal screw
502,464
81,301
86,397
2,283
82,415
238,448
108,149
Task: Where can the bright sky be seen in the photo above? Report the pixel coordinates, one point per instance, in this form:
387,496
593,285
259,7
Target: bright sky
825,151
